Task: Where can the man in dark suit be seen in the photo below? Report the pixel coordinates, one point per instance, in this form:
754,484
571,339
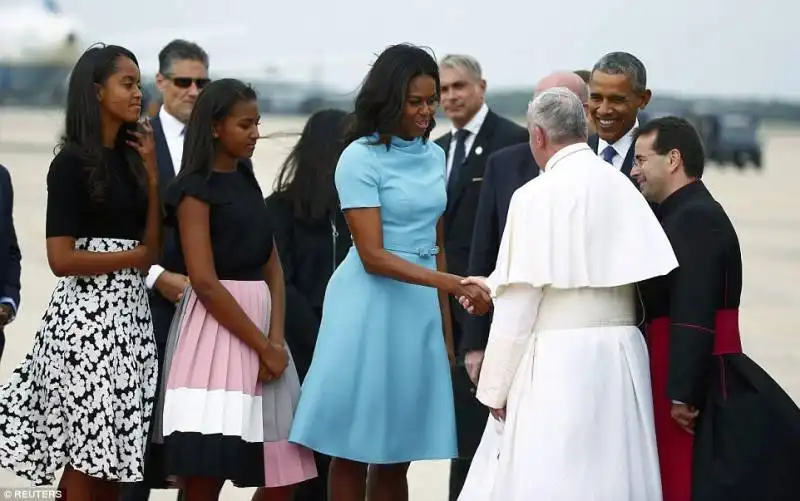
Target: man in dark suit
477,132
10,258
182,74
617,92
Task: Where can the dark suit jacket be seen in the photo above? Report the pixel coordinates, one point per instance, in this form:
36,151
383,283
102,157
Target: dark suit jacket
163,310
462,202
506,170
10,255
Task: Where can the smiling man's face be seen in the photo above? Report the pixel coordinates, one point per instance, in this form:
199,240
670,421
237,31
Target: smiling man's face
614,104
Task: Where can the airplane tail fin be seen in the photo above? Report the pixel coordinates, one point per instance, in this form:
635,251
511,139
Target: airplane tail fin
51,6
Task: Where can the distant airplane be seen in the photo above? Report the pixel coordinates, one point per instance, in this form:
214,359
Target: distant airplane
52,6
38,47
33,31
40,43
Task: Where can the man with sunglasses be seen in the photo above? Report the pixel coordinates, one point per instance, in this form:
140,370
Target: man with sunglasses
182,74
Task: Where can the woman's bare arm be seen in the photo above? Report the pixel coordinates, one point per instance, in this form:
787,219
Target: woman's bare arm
273,275
66,261
366,229
152,229
195,234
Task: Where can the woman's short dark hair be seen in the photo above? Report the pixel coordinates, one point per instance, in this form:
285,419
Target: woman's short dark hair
306,177
83,129
214,105
379,104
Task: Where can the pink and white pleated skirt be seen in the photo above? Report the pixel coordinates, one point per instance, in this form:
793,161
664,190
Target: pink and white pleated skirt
214,418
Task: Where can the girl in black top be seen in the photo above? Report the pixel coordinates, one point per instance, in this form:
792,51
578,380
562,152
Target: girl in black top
83,396
230,383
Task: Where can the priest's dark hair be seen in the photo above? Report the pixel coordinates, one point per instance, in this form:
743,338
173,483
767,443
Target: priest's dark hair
675,133
305,180
214,105
83,123
379,104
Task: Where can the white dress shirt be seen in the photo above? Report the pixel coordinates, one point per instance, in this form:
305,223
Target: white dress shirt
174,134
622,147
473,126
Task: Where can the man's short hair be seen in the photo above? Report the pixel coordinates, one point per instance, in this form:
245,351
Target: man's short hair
560,113
180,50
622,63
675,133
464,62
586,75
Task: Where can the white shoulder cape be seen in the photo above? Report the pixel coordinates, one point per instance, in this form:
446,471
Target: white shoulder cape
581,223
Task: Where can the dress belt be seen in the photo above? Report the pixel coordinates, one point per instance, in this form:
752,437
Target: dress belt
422,251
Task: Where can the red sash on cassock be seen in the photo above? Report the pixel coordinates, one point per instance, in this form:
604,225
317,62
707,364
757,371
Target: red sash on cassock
675,444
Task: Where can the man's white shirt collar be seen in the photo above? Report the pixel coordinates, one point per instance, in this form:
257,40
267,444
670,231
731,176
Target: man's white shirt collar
171,125
623,144
474,125
174,134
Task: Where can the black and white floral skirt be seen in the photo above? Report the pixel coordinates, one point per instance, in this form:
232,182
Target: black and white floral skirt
84,394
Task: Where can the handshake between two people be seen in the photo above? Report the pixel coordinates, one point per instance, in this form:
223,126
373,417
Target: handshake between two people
474,295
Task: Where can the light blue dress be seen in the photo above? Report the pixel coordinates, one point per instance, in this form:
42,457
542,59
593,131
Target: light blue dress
379,389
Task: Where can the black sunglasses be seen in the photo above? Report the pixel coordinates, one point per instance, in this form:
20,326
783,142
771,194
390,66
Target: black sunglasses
186,82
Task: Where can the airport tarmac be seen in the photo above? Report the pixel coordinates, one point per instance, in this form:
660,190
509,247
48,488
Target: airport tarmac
764,206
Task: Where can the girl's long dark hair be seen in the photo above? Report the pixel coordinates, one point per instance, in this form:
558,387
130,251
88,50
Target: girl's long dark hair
379,104
213,105
306,176
83,128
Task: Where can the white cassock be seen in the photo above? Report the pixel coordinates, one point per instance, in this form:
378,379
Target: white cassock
565,357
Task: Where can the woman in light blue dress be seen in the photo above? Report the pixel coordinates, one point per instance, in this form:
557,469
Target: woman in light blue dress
378,391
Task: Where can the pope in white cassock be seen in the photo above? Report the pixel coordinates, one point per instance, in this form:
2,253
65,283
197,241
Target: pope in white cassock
566,368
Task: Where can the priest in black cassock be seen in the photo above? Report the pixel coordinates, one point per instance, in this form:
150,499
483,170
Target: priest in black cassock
726,431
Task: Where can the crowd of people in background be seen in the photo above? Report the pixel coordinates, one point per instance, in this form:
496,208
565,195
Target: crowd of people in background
553,308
